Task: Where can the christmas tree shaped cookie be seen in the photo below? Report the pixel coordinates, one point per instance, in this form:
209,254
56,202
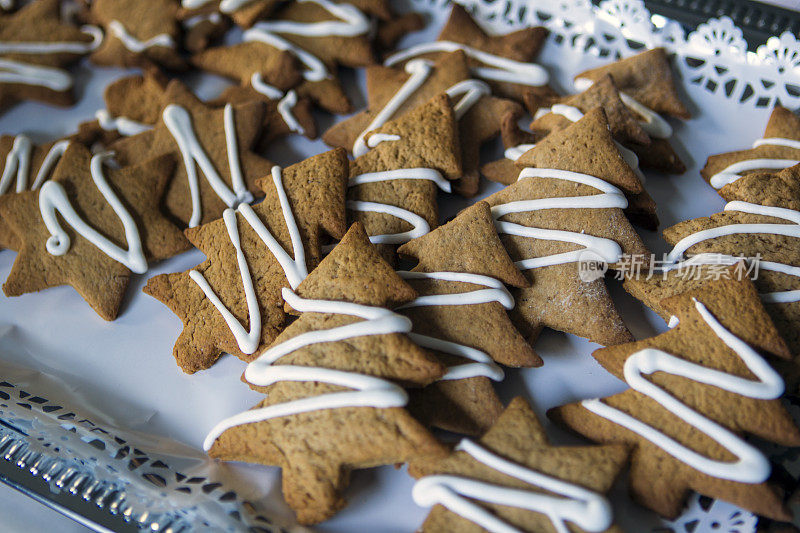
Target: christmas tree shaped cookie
35,46
779,148
217,169
761,222
503,61
695,392
460,315
566,208
232,302
393,187
514,479
137,34
393,92
648,88
89,227
641,207
333,402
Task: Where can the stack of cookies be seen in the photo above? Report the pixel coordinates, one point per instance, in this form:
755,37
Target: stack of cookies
369,327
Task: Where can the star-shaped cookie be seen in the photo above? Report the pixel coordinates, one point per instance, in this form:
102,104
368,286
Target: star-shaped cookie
318,444
464,258
35,45
314,190
696,390
69,257
549,250
201,137
137,34
517,441
478,122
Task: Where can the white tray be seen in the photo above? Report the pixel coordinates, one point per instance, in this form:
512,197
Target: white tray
125,368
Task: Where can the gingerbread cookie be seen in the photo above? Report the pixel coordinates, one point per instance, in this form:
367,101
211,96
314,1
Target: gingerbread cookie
779,148
560,214
217,168
647,86
333,404
460,315
695,391
393,92
137,34
133,106
35,46
503,61
393,187
514,479
253,252
89,227
761,223
641,207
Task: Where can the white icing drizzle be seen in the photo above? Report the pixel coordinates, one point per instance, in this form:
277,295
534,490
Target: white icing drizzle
43,48
352,22
191,22
179,122
55,79
473,90
482,364
563,502
515,152
123,125
368,391
419,225
295,268
18,161
135,45
734,172
777,141
750,466
498,69
788,230
610,197
653,123
53,198
225,6
376,138
286,104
